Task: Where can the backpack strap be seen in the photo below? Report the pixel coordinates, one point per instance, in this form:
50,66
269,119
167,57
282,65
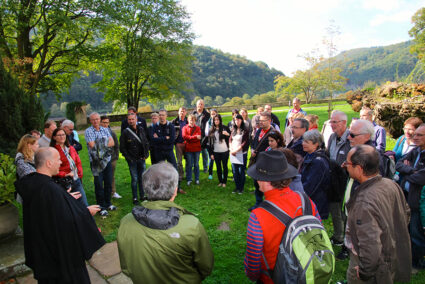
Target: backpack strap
307,208
273,209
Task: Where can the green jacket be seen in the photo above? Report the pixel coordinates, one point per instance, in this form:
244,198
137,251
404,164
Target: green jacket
171,247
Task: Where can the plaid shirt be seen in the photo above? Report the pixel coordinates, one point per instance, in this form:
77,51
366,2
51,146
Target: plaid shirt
91,135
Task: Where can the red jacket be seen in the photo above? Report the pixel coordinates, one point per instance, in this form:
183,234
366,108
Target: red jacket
272,228
65,167
193,144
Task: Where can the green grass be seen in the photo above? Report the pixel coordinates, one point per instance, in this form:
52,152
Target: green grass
212,205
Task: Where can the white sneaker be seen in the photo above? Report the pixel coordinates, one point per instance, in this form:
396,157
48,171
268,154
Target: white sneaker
116,195
189,182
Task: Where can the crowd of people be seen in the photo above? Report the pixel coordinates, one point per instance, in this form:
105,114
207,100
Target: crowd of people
377,215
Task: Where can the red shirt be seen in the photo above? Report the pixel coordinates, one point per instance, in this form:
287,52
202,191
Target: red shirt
193,144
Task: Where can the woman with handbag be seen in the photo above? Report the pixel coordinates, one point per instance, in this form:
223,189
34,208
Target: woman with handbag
218,147
71,170
192,139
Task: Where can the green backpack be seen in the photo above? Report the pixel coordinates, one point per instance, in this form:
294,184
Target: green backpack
305,252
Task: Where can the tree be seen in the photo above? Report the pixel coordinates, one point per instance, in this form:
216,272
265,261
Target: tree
195,99
418,33
20,113
43,42
147,51
219,100
208,101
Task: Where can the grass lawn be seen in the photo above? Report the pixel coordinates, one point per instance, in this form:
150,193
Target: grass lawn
214,207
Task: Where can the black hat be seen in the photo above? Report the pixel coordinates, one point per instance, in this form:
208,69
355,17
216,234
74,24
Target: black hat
272,166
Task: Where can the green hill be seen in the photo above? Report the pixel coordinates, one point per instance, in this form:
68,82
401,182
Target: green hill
377,64
213,73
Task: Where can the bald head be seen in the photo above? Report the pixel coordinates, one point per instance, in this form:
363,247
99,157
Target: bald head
47,161
367,157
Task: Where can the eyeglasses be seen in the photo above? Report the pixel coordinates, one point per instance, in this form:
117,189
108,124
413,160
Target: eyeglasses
264,120
418,134
345,163
352,135
295,127
60,135
335,121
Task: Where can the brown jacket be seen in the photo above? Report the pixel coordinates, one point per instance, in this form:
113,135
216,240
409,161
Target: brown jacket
378,216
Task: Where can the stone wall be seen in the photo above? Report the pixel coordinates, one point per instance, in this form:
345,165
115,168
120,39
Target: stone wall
392,103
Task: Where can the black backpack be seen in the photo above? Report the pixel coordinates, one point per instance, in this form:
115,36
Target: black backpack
388,164
339,179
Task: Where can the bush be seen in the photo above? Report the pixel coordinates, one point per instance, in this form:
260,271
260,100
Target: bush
7,179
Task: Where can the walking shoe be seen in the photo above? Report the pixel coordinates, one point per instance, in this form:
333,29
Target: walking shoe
189,182
234,191
220,184
210,177
343,254
335,242
240,192
112,208
135,201
197,182
116,195
103,213
182,191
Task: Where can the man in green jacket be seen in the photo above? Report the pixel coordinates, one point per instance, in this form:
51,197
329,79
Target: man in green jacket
159,241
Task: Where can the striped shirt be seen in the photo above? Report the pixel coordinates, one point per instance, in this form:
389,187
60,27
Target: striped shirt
255,242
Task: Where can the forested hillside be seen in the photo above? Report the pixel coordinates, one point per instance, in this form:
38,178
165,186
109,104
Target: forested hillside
214,73
377,64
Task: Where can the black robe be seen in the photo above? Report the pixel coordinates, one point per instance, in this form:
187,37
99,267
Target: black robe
59,232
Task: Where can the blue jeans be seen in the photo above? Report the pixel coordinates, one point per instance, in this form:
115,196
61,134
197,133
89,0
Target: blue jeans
103,187
192,159
167,155
417,238
78,186
136,167
205,158
239,176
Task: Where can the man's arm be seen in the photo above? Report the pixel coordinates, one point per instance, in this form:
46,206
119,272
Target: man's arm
88,135
404,165
203,254
254,248
368,233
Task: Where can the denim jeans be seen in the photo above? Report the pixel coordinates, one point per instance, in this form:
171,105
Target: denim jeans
192,159
417,238
103,187
210,166
205,158
221,160
168,156
136,167
239,176
258,194
78,186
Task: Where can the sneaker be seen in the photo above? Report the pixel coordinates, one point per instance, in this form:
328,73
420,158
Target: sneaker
189,182
220,184
234,191
135,201
116,195
210,177
112,208
335,242
103,213
197,182
240,192
343,254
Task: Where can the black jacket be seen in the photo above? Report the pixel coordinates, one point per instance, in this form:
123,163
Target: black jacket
131,148
140,120
74,143
275,119
204,120
264,142
176,123
415,175
161,143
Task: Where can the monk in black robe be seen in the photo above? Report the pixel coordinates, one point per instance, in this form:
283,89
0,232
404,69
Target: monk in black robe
59,231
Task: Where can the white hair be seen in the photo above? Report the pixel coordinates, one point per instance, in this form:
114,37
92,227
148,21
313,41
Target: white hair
366,127
67,122
160,181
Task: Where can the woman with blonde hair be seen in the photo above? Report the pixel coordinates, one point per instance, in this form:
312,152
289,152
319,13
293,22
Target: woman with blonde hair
312,121
24,159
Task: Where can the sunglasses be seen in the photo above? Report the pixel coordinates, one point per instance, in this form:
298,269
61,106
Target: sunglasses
352,135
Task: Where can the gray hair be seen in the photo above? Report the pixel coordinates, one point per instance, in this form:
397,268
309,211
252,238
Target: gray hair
342,115
304,123
93,114
315,137
160,181
366,127
67,122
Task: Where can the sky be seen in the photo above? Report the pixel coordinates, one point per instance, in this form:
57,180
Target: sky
279,32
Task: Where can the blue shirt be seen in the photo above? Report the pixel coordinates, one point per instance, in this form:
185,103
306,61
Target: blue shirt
91,135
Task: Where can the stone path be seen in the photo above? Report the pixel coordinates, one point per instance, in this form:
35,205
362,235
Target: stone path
103,267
